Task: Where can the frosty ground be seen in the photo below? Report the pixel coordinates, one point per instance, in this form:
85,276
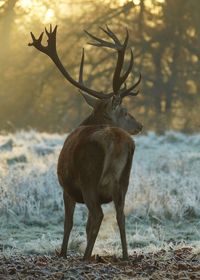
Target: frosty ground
162,203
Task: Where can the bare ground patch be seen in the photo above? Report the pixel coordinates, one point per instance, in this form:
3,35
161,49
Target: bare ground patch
183,263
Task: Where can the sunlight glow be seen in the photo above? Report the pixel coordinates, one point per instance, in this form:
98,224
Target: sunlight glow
49,15
154,9
2,3
26,4
136,2
37,9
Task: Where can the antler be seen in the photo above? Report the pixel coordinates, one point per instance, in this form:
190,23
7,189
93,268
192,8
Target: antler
51,51
127,92
118,80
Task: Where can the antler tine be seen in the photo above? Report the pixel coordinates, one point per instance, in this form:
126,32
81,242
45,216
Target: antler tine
132,93
111,35
121,48
126,39
81,67
100,42
51,51
37,42
117,79
128,91
126,74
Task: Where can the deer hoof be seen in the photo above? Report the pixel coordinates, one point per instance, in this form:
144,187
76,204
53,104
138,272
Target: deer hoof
89,258
125,258
60,254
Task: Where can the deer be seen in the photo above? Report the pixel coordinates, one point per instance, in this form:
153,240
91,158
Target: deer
95,161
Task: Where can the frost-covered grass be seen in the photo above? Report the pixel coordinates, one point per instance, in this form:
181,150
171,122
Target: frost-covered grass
162,204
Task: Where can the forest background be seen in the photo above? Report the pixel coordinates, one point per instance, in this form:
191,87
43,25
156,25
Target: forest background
165,38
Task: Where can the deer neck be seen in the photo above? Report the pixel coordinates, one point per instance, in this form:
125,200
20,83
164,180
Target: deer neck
94,120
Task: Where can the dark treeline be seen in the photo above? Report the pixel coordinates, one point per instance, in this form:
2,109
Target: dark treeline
165,38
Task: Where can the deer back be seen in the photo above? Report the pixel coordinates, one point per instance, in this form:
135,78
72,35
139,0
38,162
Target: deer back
93,157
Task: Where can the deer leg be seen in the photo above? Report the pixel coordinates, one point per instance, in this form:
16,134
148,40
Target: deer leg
119,206
88,226
119,199
68,224
94,222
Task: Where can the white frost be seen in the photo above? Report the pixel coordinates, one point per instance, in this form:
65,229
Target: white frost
162,204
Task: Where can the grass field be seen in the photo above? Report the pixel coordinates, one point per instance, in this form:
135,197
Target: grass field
162,203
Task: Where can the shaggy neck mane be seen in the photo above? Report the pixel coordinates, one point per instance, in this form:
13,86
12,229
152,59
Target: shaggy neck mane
94,120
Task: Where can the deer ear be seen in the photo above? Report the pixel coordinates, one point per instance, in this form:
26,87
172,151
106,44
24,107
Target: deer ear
91,101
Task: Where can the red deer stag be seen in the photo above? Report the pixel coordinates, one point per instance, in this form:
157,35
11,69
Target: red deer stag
95,162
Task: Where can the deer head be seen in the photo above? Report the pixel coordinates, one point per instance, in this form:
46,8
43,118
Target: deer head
107,108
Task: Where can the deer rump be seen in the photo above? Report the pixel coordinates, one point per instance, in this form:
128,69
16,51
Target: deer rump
86,165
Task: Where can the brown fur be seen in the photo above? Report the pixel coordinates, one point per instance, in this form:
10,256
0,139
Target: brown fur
94,168
87,155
